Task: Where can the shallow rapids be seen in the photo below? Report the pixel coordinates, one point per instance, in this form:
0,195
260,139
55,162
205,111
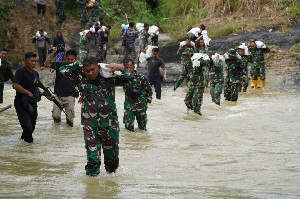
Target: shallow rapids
246,150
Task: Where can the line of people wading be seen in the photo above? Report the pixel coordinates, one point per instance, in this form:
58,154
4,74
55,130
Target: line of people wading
94,83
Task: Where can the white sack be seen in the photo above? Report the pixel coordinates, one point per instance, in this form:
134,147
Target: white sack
139,26
142,57
153,30
194,31
38,33
105,72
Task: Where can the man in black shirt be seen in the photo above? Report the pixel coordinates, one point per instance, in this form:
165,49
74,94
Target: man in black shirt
27,96
154,77
64,90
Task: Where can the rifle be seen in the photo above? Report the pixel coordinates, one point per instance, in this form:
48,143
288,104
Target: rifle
48,93
5,108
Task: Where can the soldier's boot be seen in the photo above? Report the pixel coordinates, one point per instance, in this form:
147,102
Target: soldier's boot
70,123
255,84
258,82
263,84
252,83
234,101
245,89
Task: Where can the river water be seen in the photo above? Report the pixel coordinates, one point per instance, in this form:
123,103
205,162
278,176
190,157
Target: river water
246,150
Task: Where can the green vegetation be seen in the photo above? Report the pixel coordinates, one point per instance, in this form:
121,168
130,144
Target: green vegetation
176,17
4,15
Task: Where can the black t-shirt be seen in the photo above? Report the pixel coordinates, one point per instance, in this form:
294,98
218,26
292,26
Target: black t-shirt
26,79
63,87
153,66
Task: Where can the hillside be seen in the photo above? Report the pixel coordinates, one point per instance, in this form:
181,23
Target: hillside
222,18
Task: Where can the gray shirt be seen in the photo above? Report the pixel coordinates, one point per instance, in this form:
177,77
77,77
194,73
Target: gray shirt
41,2
153,66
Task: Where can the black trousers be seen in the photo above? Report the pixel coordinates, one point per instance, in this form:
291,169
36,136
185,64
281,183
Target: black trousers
41,7
27,120
1,92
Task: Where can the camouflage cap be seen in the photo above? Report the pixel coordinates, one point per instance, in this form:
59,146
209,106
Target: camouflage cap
188,51
232,52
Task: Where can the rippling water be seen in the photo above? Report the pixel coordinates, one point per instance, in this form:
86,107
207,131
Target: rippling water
245,150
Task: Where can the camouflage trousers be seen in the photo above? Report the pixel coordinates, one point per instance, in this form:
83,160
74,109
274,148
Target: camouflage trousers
194,98
129,53
83,54
102,51
108,138
258,70
60,11
129,116
231,90
83,14
216,91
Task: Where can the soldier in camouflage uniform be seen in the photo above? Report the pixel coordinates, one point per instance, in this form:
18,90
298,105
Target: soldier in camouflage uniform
95,11
205,50
194,98
129,37
143,40
245,60
82,6
136,101
60,12
98,112
84,46
235,74
186,52
101,43
258,65
216,79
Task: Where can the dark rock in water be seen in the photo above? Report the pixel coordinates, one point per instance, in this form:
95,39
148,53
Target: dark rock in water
169,52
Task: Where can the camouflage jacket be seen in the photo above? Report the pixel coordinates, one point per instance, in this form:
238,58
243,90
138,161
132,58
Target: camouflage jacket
245,60
182,51
82,3
130,36
84,43
258,55
98,96
144,36
196,74
235,70
216,72
145,97
203,50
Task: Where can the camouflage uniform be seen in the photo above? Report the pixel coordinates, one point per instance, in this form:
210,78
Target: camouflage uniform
154,40
245,60
129,37
144,36
98,117
95,13
82,7
205,50
60,10
216,79
84,47
137,107
102,46
258,65
233,79
194,97
187,65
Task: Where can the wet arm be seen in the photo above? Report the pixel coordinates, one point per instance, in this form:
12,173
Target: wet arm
71,72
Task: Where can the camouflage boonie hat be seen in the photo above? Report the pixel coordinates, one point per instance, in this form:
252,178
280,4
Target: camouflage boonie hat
232,52
188,51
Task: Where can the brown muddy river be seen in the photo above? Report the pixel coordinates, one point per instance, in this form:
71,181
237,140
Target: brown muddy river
245,150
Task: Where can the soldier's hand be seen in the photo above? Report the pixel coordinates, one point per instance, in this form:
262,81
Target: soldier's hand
80,100
115,67
54,50
165,77
51,98
242,83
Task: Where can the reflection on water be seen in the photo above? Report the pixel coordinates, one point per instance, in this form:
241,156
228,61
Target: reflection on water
244,150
